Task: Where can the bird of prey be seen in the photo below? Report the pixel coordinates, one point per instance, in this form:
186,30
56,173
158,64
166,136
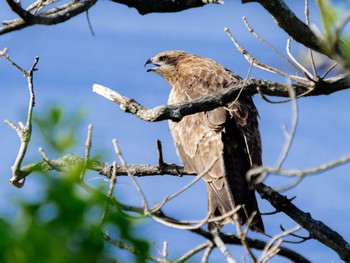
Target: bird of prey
220,145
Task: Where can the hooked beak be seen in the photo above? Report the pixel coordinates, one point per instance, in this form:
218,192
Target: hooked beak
149,61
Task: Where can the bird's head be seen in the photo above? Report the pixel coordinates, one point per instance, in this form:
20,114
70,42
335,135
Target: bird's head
165,63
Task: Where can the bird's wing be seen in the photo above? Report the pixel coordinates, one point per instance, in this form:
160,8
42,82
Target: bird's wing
217,144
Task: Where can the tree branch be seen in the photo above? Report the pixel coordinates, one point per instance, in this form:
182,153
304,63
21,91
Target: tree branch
176,112
293,26
254,243
164,6
69,10
24,132
317,229
226,238
131,249
52,16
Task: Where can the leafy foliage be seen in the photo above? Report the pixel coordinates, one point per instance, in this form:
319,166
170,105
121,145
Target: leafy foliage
58,130
64,225
334,23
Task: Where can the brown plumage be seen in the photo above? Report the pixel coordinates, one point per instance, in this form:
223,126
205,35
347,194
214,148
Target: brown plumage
222,144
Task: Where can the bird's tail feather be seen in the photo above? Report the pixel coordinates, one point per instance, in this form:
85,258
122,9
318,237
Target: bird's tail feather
220,202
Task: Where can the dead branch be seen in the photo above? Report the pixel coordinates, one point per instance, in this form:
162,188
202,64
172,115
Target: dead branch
176,112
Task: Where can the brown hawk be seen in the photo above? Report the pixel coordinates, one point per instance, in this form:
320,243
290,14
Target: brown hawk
221,145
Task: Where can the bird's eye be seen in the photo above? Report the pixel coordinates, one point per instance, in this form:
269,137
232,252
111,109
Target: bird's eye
162,58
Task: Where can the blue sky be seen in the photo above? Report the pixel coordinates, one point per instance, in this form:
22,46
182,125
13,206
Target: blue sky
72,60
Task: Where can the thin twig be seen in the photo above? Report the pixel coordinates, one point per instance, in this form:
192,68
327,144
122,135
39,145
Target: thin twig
47,159
198,177
302,70
112,183
192,252
259,64
307,20
138,188
242,236
291,133
87,151
251,30
297,173
272,247
192,225
133,250
207,252
165,250
329,70
160,153
89,23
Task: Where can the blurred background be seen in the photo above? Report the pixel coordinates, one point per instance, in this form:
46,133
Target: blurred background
72,60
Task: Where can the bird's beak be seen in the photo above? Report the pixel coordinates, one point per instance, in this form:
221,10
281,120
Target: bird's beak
150,61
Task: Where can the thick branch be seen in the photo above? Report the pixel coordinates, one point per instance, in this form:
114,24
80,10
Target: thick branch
317,229
177,111
53,16
163,6
63,163
69,10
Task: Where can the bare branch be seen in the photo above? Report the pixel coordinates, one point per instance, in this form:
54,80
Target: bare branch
176,112
222,247
87,151
23,132
262,172
291,133
329,70
52,16
207,252
251,30
317,229
198,177
138,188
303,70
260,64
112,183
193,251
307,20
274,244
